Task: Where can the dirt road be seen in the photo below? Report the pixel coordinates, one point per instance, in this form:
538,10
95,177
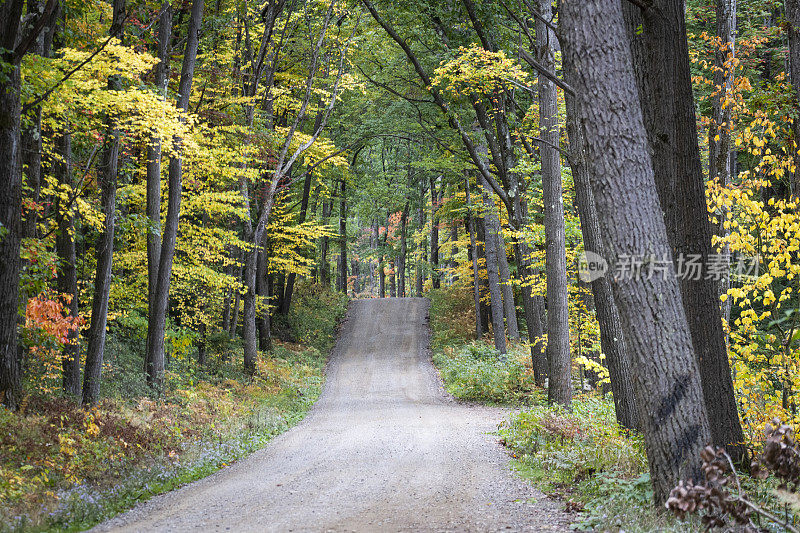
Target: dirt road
384,449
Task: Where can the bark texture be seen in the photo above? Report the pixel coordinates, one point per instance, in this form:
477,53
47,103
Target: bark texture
668,390
661,59
612,338
559,388
10,205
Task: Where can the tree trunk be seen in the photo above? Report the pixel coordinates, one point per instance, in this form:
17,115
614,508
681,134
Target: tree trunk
392,277
420,274
612,338
559,388
10,205
435,279
107,177
486,310
32,138
324,267
669,396
509,305
662,60
68,275
343,238
237,298
263,294
473,255
492,270
403,250
793,18
156,324
720,153
153,207
96,335
249,333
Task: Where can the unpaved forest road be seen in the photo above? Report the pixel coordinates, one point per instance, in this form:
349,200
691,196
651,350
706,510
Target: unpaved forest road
383,449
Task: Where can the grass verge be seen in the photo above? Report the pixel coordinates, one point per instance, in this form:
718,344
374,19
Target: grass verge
63,468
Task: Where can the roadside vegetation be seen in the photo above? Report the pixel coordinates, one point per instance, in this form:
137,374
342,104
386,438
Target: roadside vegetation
64,467
580,456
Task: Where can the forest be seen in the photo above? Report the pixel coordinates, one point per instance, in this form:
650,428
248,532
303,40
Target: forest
600,199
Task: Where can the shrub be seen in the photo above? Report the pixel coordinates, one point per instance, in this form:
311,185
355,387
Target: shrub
476,372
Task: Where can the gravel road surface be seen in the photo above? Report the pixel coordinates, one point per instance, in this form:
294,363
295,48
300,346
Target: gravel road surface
384,449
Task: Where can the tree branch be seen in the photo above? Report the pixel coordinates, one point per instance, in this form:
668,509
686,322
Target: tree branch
546,73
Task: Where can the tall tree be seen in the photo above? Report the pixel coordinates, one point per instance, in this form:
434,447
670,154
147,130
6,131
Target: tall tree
492,225
559,388
153,206
612,337
16,39
661,60
669,396
67,274
342,270
96,335
156,324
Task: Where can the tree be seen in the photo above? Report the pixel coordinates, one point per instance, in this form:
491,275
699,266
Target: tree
661,60
612,337
96,335
558,357
668,390
154,358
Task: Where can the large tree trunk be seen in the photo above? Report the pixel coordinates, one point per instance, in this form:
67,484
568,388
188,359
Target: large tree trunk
342,278
96,335
662,60
107,177
669,396
559,388
10,205
612,338
67,274
492,269
156,324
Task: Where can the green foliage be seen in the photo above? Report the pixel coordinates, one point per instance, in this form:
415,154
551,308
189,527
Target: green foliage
452,316
63,467
315,313
476,372
585,457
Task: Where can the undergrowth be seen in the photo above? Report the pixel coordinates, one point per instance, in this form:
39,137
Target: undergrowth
582,457
66,468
